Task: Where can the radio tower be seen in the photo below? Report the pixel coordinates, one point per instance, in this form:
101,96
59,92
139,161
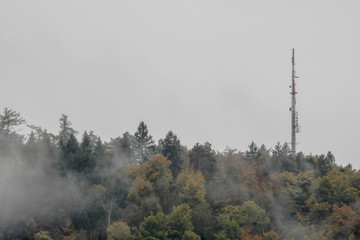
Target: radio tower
294,114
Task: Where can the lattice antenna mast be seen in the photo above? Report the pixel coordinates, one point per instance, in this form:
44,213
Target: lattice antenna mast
294,114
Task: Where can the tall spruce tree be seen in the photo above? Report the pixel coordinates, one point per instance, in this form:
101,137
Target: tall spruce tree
253,152
87,161
69,155
143,143
171,149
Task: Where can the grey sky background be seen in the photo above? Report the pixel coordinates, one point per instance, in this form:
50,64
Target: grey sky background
216,71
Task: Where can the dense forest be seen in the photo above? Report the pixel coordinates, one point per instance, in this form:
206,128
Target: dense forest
73,185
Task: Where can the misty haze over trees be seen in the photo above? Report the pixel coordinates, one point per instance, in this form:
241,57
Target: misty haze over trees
72,185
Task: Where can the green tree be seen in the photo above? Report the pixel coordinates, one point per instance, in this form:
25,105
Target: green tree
318,210
191,187
203,220
153,227
180,221
87,161
119,231
157,172
42,235
281,158
69,155
253,217
171,149
336,188
295,191
230,230
141,201
190,235
325,163
144,143
99,152
202,158
249,216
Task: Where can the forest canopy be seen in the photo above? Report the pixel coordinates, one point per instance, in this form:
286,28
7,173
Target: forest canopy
71,185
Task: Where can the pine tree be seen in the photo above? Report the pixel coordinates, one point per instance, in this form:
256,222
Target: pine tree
8,120
65,130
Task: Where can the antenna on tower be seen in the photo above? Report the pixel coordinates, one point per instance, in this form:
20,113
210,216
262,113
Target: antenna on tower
294,114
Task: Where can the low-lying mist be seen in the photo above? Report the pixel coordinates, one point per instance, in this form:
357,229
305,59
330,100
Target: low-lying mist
32,188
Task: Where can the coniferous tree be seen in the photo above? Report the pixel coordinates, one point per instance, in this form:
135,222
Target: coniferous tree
281,158
257,193
123,149
8,121
99,151
87,160
93,139
69,155
126,147
253,152
325,163
171,149
65,130
144,143
202,158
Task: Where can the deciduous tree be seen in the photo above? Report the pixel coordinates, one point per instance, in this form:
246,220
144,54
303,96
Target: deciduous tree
119,231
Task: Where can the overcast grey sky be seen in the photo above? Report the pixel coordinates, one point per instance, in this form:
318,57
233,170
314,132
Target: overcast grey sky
216,71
